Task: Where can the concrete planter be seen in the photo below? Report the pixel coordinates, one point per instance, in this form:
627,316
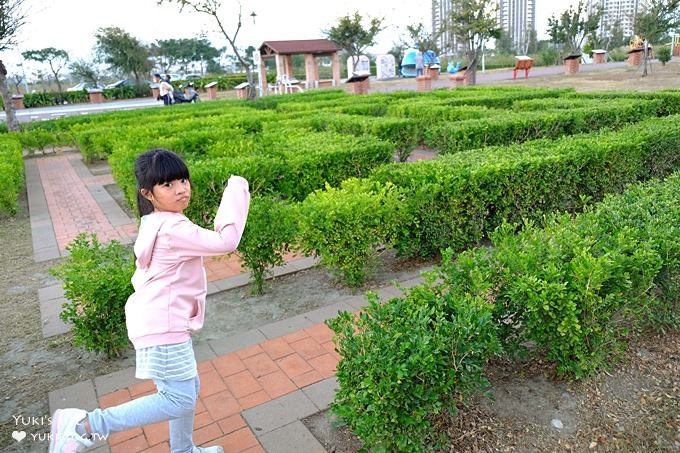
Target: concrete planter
96,97
17,101
572,64
424,83
211,90
359,87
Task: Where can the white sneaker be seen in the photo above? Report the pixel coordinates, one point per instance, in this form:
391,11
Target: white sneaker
214,449
63,436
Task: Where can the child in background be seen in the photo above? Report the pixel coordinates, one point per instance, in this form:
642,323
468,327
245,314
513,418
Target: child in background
167,306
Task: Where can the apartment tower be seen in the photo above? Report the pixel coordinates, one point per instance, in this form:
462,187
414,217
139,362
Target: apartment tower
518,19
621,11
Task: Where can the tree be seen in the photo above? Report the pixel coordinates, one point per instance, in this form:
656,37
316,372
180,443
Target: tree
655,18
123,53
56,59
12,19
211,8
472,23
504,44
85,71
351,35
419,38
571,29
184,52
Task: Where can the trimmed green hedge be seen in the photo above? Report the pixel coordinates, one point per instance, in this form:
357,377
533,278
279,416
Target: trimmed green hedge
12,169
509,127
575,289
456,200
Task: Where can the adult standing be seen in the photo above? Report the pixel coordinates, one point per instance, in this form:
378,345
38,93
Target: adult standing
420,66
164,89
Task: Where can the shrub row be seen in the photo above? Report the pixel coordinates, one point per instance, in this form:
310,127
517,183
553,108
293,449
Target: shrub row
574,289
300,164
511,127
455,201
12,169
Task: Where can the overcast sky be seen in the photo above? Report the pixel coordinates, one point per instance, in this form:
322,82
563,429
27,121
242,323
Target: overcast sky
71,24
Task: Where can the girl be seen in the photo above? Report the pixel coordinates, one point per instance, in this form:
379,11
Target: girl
167,306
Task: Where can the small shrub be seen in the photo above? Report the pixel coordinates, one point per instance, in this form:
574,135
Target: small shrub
96,282
346,227
269,232
408,360
663,53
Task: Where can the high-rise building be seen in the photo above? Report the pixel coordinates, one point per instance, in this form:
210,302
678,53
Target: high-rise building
618,11
517,18
441,9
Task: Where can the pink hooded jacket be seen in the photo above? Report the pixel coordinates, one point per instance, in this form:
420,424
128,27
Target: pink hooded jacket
170,283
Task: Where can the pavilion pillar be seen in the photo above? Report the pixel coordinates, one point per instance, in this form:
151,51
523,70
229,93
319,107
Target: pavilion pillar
335,65
311,70
262,76
288,62
280,65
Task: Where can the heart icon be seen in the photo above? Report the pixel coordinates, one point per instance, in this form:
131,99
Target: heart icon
19,435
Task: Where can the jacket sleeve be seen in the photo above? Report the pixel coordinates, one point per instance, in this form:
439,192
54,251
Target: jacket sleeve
189,239
233,211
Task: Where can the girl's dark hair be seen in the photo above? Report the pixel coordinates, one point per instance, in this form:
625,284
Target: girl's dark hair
157,166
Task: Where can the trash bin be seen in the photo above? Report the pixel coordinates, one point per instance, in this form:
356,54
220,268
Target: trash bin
599,56
18,101
96,96
358,84
211,89
242,90
572,63
424,83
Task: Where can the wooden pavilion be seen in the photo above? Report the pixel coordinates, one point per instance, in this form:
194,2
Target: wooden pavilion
312,49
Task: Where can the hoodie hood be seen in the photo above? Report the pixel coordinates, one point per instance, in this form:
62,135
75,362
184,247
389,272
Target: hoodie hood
149,227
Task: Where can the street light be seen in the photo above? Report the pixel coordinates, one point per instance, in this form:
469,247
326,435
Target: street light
256,54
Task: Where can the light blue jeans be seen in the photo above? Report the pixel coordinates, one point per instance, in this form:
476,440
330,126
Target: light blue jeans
175,401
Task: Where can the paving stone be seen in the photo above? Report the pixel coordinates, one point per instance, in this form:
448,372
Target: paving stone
81,395
237,342
322,393
280,412
292,438
286,326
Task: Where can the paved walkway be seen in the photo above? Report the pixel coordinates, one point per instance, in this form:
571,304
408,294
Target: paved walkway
256,387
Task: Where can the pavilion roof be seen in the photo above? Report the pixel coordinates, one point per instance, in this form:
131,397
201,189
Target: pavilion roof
299,46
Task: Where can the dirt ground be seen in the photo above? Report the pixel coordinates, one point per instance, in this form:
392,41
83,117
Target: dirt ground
634,407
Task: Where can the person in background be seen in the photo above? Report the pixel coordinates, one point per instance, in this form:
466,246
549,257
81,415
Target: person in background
167,306
420,66
164,89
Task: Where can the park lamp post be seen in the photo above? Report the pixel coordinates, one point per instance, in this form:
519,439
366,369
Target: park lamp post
256,54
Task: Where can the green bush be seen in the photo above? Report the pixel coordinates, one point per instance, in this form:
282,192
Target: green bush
573,291
408,360
12,170
270,231
663,53
346,226
96,281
